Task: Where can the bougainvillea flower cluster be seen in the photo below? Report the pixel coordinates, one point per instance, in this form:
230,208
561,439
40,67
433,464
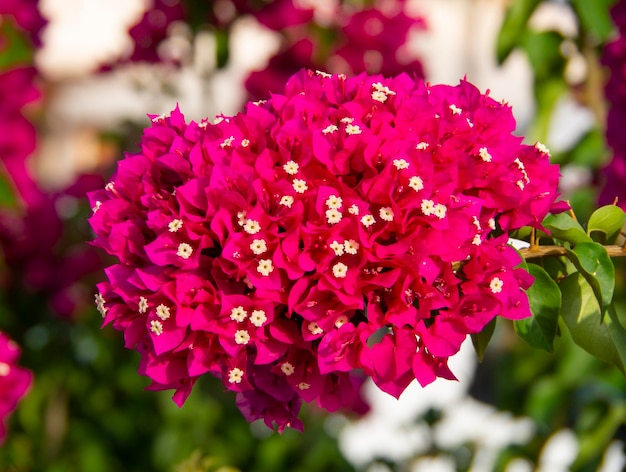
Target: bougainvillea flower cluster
347,225
14,380
614,57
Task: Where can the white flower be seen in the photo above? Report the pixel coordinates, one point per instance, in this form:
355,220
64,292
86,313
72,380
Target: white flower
542,148
287,368
440,211
184,251
337,247
353,129
100,304
242,336
175,225
455,110
386,213
235,375
291,167
379,96
258,318
330,129
342,320
340,270
286,200
251,227
156,327
353,210
300,185
334,202
484,154
421,146
265,267
163,312
351,246
143,305
314,328
238,314
416,183
333,216
227,142
258,246
368,220
496,285
245,142
427,207
400,164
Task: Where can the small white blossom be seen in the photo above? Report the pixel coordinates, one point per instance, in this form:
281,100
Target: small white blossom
333,216
314,328
440,211
334,202
242,336
175,225
337,248
184,251
265,267
238,314
484,154
258,318
156,327
427,207
330,129
476,241
163,312
286,200
291,167
368,220
416,183
217,120
235,375
496,285
379,96
96,206
322,74
455,110
287,368
300,185
353,129
227,142
142,305
245,142
542,148
386,213
421,146
160,118
100,304
304,386
520,184
351,246
342,320
340,270
347,120
251,226
258,246
353,210
492,223
110,186
400,164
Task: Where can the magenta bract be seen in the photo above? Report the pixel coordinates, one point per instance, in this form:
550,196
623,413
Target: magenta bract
347,225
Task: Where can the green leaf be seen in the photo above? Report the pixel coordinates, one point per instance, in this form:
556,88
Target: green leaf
545,303
609,220
564,228
595,265
617,333
481,340
16,49
7,192
595,17
513,27
544,53
581,312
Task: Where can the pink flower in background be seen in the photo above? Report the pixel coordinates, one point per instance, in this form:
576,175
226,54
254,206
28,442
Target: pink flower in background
347,225
614,57
14,380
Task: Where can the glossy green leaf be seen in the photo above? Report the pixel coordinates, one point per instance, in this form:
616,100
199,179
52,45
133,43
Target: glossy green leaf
594,263
564,228
595,17
481,340
545,303
543,50
609,220
582,315
514,27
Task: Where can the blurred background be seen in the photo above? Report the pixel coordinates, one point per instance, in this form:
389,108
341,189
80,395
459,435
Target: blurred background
77,80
